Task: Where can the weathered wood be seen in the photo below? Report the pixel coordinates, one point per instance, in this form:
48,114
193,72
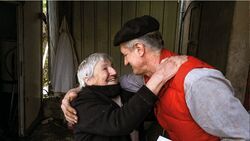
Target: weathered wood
101,20
88,32
169,24
115,20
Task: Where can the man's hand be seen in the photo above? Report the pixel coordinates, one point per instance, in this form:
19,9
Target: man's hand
70,112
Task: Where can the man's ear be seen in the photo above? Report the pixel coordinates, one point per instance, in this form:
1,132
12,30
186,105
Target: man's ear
140,49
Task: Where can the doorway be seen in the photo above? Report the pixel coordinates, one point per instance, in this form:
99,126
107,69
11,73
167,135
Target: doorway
8,70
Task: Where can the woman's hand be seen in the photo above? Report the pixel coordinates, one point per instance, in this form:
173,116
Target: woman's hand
164,72
169,66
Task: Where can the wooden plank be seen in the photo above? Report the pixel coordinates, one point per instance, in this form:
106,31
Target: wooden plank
102,27
169,24
194,27
77,29
128,12
157,10
142,8
114,26
101,20
215,36
88,33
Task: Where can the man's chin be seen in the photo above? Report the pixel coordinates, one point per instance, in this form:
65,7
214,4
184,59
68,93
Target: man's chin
137,72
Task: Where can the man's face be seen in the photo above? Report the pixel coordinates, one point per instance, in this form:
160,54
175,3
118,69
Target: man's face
132,57
104,74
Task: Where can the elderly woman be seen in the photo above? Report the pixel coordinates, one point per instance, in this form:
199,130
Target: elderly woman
105,111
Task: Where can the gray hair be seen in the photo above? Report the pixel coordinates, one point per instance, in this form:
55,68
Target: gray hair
87,66
152,40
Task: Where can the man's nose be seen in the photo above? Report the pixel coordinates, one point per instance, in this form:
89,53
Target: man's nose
125,62
112,71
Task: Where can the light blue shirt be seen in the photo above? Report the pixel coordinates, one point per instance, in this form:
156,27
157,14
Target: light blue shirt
211,102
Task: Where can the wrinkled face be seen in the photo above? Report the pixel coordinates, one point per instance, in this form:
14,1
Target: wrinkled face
104,74
133,58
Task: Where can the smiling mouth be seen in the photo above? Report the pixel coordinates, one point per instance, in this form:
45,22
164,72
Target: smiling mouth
111,80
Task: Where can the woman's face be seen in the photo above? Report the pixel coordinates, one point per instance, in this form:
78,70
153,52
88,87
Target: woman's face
104,74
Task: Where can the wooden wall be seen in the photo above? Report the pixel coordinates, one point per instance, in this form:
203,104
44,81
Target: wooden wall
218,33
94,25
209,32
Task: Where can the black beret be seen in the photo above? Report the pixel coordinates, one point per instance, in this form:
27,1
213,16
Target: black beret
135,28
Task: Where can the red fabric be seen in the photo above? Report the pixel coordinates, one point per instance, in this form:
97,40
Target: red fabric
171,110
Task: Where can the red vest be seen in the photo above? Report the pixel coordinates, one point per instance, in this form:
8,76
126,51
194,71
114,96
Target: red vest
171,110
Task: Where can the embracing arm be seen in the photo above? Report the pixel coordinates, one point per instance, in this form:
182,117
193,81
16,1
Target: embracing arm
165,71
70,112
98,116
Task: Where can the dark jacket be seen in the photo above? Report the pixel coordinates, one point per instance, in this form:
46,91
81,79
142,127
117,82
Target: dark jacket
101,119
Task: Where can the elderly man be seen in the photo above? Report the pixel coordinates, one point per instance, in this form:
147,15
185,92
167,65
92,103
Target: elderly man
198,103
99,102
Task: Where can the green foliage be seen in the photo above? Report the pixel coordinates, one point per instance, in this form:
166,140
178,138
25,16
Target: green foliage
46,74
45,77
45,6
